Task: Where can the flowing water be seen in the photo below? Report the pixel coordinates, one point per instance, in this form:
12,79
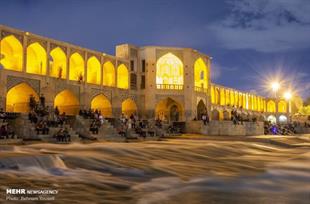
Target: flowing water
192,170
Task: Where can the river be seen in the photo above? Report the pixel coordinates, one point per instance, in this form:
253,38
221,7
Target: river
190,170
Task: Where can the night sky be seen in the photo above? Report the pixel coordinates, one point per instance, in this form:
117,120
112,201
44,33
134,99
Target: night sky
251,41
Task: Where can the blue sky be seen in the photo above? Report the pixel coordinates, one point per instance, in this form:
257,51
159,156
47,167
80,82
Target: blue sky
251,41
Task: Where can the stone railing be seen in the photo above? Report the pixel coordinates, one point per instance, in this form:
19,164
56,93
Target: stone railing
200,89
170,86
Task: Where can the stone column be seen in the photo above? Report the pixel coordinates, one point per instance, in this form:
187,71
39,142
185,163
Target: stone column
67,63
25,43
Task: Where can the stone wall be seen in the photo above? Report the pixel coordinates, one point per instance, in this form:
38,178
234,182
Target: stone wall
225,128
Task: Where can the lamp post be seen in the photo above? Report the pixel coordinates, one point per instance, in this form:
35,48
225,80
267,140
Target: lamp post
288,96
275,87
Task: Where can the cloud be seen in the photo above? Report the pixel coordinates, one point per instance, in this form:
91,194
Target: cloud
218,69
265,25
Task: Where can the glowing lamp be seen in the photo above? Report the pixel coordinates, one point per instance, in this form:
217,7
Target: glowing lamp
287,95
275,86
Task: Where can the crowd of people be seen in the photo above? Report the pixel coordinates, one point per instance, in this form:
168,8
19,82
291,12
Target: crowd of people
134,124
44,117
96,117
279,129
6,130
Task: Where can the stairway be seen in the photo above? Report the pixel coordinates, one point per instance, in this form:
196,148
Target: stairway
26,130
106,131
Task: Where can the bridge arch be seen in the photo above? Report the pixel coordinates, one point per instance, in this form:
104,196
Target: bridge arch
215,114
282,108
67,102
36,59
108,74
271,106
169,109
17,98
93,70
11,53
76,67
201,109
102,103
58,63
122,77
129,107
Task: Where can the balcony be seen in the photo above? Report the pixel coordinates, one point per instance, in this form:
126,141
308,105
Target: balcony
200,89
170,86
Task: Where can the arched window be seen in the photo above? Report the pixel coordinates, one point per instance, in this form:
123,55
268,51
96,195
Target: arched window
58,64
200,74
108,74
169,72
282,106
36,59
11,53
76,72
122,77
93,71
271,106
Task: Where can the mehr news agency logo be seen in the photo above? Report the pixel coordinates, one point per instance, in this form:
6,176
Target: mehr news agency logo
30,194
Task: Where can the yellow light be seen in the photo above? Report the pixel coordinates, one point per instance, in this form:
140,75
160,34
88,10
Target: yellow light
275,86
287,95
122,77
93,70
11,53
108,74
200,74
169,70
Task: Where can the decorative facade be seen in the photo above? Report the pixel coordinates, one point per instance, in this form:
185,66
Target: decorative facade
166,82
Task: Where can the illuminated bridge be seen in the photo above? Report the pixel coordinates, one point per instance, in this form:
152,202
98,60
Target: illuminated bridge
166,82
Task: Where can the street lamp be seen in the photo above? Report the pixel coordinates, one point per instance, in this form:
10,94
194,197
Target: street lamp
275,87
287,95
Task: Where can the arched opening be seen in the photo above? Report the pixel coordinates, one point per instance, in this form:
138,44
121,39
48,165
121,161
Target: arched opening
169,72
227,97
222,97
67,102
101,103
58,65
226,115
215,114
169,110
201,109
282,119
212,94
11,53
129,107
217,96
282,106
122,77
93,71
272,119
17,98
108,74
36,59
271,106
76,64
200,74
